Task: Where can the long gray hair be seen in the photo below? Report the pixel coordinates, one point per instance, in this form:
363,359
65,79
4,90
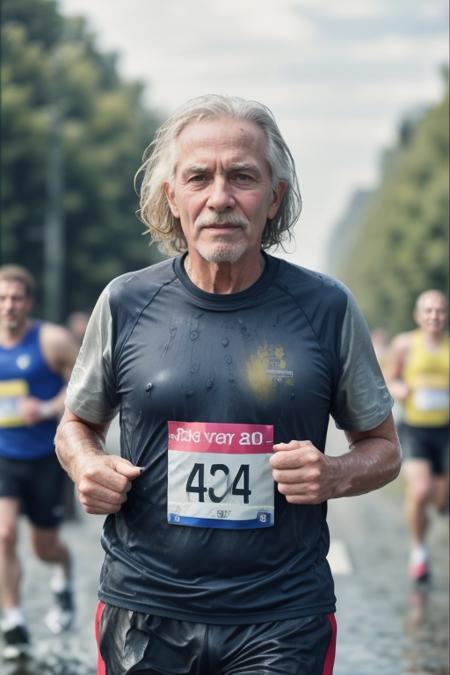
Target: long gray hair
159,167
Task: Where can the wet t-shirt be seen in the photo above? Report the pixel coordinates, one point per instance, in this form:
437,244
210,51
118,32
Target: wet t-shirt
205,384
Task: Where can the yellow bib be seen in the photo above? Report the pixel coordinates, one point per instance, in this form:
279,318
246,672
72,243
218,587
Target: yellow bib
427,375
11,391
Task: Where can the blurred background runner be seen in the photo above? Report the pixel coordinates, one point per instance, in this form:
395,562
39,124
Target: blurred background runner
35,361
419,378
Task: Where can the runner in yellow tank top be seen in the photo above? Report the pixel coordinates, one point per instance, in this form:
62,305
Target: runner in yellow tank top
418,377
426,375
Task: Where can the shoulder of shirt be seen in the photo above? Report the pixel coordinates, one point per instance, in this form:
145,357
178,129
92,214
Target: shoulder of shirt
311,286
141,281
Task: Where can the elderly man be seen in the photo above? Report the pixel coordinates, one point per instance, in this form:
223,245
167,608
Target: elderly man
419,377
225,364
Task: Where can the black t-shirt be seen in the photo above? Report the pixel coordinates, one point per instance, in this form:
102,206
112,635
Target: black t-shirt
286,353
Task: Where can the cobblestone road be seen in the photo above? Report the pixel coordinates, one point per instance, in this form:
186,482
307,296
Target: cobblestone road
384,626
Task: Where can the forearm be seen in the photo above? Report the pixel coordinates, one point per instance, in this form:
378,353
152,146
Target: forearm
395,372
398,389
369,464
53,407
102,480
76,442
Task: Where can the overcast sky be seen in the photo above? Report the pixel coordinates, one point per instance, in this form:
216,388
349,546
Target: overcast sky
339,76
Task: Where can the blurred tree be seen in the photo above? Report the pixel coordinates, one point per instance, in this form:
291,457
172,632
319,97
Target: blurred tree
73,133
401,243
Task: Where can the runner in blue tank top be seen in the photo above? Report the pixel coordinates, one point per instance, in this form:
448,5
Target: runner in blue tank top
226,364
35,362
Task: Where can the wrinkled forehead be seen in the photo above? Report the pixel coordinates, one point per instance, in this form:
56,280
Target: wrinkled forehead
226,136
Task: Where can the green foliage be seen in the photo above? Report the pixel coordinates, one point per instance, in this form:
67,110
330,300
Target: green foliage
62,98
401,246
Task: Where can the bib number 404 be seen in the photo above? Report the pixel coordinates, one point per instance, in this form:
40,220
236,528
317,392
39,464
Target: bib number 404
239,485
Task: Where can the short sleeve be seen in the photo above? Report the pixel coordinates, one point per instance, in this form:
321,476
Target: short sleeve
91,392
362,400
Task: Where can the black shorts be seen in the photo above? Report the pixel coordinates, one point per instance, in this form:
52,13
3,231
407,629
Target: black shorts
429,443
39,486
131,642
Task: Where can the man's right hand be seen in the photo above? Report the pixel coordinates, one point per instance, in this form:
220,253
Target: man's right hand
103,482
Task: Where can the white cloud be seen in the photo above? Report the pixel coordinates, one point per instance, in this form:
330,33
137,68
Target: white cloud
273,21
433,9
398,93
393,49
176,26
353,9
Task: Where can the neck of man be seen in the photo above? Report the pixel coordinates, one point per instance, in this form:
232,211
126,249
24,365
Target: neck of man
224,277
10,336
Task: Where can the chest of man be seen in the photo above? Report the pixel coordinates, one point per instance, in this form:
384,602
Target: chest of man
258,365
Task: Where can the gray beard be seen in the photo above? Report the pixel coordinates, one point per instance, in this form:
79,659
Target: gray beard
222,252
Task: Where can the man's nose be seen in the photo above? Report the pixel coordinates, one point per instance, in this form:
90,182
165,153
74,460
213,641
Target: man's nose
220,197
7,304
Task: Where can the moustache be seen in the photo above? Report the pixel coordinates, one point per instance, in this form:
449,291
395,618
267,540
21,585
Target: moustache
230,219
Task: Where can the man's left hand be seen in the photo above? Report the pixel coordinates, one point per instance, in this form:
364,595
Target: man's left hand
303,473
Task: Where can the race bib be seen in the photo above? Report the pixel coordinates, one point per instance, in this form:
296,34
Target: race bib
219,475
431,399
11,392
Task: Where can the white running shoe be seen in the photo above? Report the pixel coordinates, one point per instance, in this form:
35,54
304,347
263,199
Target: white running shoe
60,617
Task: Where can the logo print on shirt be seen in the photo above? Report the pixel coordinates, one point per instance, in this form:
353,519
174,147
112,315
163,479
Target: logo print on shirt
268,368
23,361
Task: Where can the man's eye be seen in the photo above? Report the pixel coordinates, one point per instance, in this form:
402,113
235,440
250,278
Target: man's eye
198,178
243,177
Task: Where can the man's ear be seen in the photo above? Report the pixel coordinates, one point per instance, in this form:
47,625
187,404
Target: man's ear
170,195
278,194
